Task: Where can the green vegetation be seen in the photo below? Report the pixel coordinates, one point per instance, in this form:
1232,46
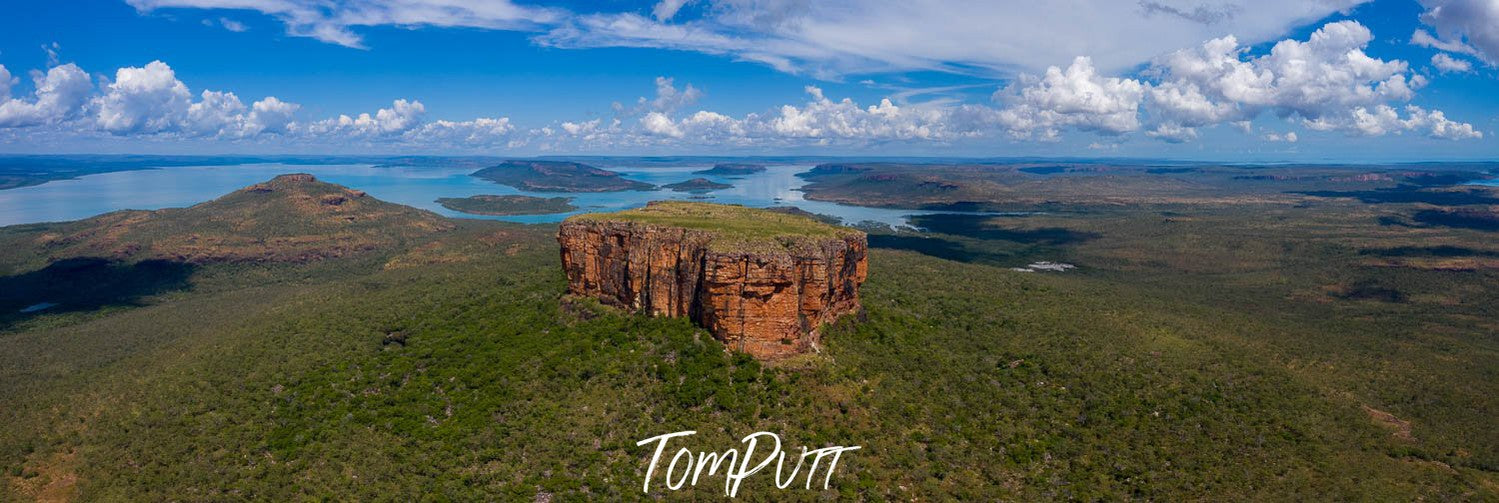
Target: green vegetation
697,185
1394,320
732,225
1026,187
507,205
1322,349
558,176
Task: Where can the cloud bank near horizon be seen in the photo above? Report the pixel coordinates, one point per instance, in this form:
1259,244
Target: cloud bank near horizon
1098,83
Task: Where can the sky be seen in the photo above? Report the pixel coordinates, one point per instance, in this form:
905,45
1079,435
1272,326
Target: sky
1220,80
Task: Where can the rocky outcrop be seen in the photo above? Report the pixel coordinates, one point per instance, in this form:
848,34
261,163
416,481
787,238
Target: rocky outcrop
767,301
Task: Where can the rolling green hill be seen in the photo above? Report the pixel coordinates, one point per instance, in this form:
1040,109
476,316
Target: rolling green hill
292,218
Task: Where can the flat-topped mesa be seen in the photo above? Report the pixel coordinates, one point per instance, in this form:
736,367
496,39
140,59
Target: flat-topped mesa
762,282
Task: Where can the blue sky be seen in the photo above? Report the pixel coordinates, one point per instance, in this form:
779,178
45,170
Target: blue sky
1324,80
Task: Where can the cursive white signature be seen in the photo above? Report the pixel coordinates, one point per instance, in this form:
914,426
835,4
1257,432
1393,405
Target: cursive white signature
736,468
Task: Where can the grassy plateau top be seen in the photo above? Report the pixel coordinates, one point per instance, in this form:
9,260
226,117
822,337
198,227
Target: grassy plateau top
730,224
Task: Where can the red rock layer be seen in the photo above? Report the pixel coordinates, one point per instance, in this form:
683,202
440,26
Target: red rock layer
768,303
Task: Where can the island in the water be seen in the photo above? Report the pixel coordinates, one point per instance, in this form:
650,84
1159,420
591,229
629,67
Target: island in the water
697,185
493,205
558,176
763,282
731,169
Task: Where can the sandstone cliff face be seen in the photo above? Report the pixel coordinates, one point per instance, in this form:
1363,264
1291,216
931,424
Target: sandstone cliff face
766,301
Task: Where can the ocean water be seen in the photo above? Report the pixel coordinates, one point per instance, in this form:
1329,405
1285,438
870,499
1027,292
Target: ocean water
420,187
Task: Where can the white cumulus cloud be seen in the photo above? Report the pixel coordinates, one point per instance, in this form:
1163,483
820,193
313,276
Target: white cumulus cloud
60,94
668,98
1384,119
480,131
1326,82
1464,26
1289,137
1075,97
402,116
150,99
659,124
270,115
819,120
1436,125
6,81
1323,80
1173,133
146,99
214,113
1449,64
